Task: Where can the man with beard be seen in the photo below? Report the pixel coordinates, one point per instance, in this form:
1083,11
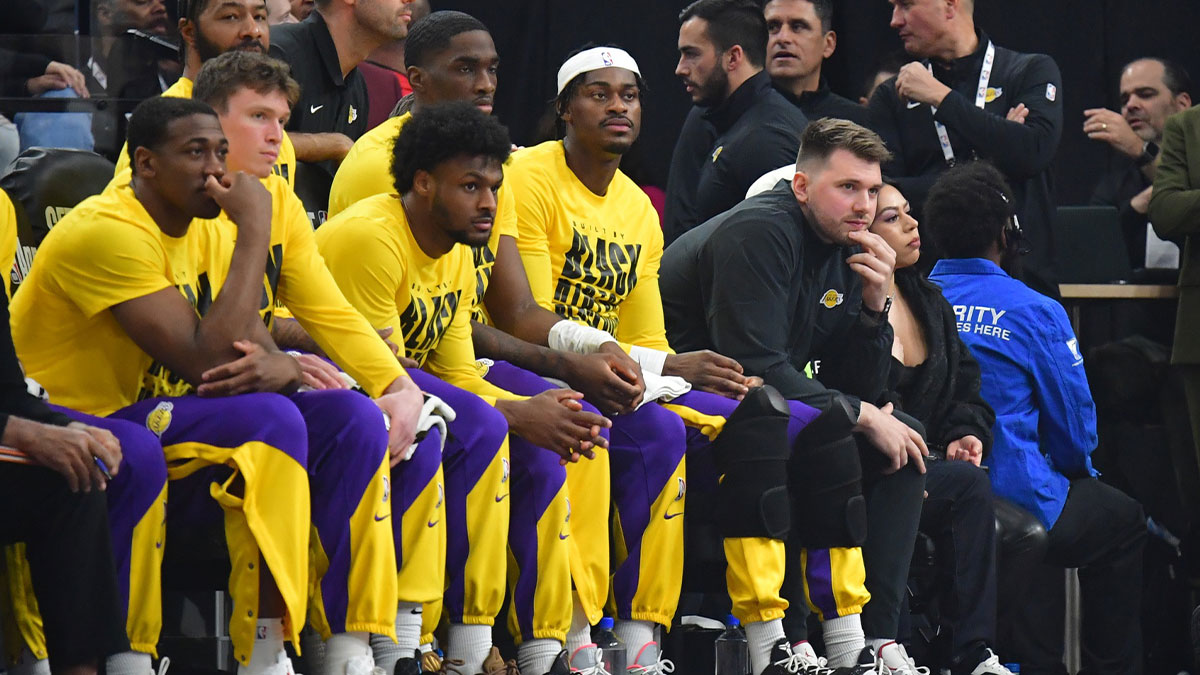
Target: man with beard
970,98
324,51
741,127
209,28
1151,91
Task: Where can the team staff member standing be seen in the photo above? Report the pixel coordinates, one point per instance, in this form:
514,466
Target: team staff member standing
776,283
722,49
208,29
970,98
324,51
801,38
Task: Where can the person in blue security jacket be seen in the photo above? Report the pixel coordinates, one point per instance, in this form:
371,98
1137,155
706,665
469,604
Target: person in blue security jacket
1045,431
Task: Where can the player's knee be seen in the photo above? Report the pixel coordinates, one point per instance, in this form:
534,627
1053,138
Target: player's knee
651,431
752,455
358,418
826,477
142,460
488,424
276,422
422,466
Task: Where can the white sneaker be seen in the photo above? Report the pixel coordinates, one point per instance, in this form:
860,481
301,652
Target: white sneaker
991,666
588,660
282,666
649,661
892,659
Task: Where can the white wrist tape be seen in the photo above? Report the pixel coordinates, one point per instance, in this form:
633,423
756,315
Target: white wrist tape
650,360
568,336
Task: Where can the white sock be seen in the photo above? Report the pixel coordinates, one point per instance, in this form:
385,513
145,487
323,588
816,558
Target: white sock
635,635
537,656
386,653
426,647
469,643
843,640
341,647
408,627
761,637
31,665
581,629
124,663
877,643
268,648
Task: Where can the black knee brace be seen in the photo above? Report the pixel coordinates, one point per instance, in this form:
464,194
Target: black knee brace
826,479
751,455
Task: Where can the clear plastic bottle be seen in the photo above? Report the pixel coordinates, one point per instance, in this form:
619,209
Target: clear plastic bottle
732,650
612,650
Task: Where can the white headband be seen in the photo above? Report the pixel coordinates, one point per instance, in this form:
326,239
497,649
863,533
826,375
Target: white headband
595,59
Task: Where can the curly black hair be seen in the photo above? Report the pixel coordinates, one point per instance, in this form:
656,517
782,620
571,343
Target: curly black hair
444,131
967,209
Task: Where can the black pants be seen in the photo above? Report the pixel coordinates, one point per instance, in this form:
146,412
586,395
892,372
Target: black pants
959,517
893,514
70,561
1102,532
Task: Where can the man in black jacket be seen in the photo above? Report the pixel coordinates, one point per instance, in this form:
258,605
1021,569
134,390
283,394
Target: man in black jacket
1151,91
789,279
972,99
801,38
745,129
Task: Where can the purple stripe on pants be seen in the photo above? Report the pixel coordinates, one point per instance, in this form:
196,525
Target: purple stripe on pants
537,479
131,492
347,442
818,574
473,439
646,449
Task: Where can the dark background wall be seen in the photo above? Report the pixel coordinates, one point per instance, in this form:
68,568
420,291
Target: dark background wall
1090,40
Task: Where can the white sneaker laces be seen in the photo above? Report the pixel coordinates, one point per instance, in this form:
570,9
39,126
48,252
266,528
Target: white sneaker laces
657,668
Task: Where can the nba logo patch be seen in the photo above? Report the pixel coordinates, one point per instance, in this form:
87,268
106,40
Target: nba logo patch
1051,92
832,299
160,418
606,58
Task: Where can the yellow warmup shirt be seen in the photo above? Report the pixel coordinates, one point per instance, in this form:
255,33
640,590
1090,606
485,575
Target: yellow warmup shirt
106,251
589,258
367,171
297,277
376,260
285,164
8,240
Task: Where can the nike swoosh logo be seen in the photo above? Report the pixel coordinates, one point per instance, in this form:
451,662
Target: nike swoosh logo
379,517
669,516
562,536
315,108
913,104
432,523
500,498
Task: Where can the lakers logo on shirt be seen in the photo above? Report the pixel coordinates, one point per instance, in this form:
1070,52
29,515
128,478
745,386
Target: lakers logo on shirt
352,116
717,153
832,299
160,418
425,320
597,275
992,94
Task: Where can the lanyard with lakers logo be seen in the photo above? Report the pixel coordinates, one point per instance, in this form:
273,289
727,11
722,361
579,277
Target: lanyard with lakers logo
985,75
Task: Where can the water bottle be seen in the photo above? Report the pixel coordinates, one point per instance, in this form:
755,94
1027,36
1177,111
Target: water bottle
732,650
612,650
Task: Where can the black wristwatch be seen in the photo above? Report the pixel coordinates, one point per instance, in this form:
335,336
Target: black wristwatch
881,315
1149,153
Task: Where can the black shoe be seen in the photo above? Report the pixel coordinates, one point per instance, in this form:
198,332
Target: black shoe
782,658
409,666
562,664
865,665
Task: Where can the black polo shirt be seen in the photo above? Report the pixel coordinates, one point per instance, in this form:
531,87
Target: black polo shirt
824,103
328,102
